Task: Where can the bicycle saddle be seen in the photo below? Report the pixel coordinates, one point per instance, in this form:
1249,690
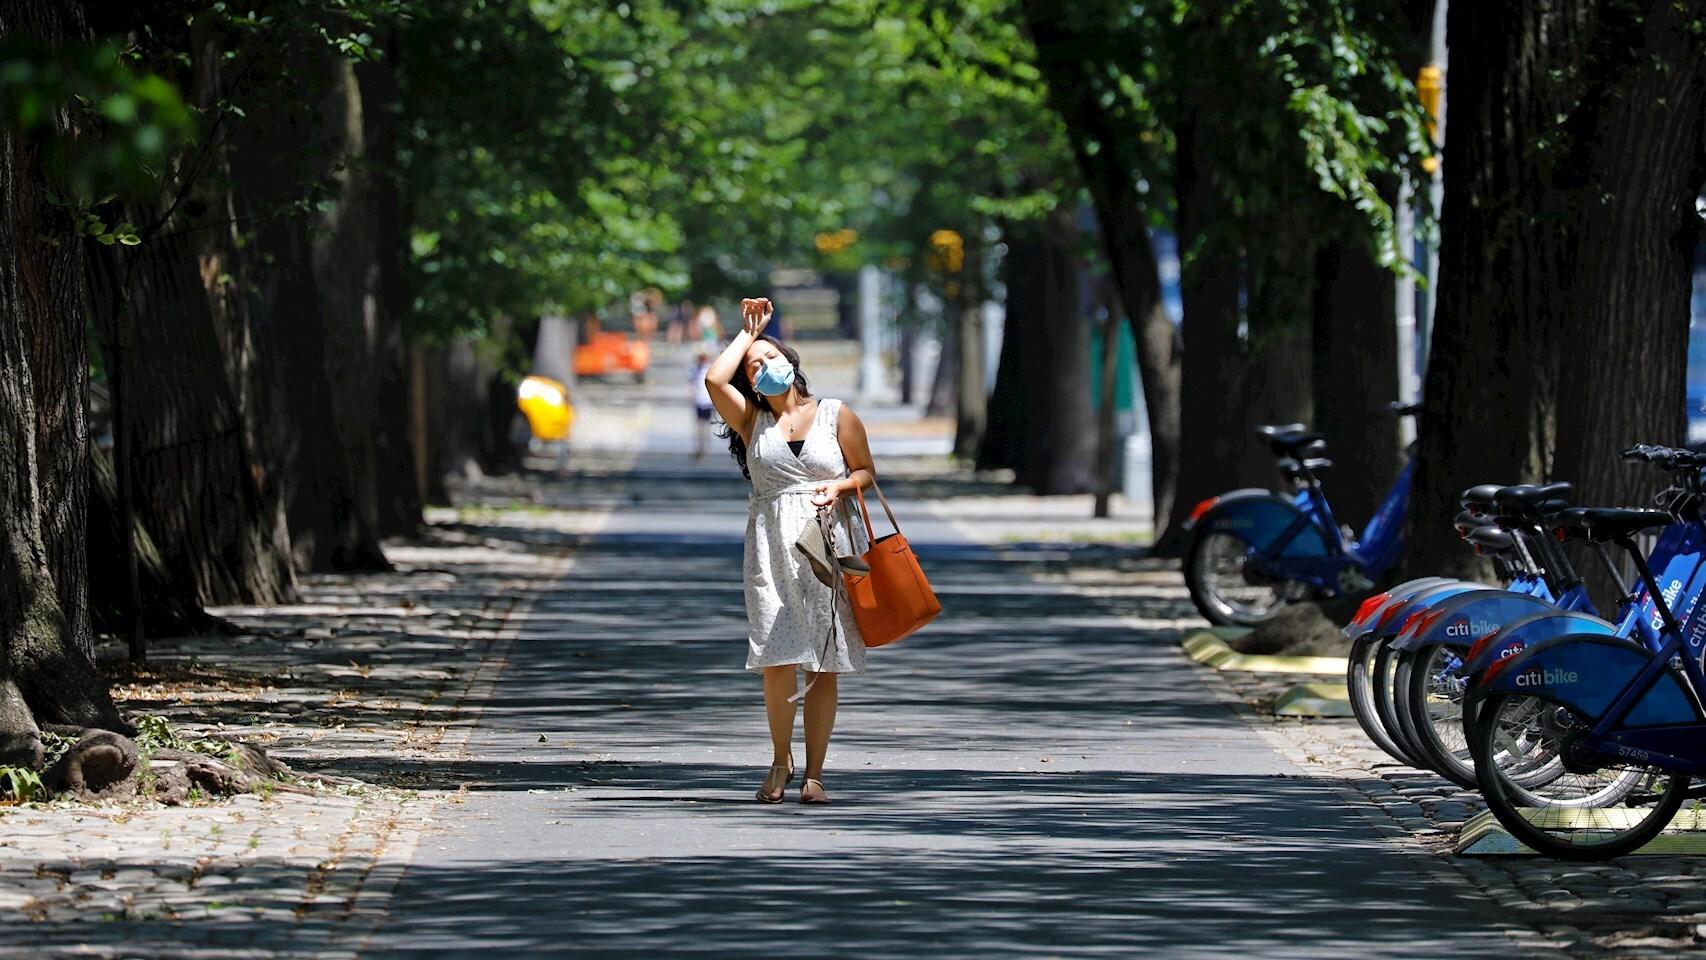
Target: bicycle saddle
1568,525
1619,523
1528,497
1490,539
1272,430
1468,520
1405,409
1479,499
1297,444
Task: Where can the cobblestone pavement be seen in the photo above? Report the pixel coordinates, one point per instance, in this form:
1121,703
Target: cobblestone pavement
365,679
1640,906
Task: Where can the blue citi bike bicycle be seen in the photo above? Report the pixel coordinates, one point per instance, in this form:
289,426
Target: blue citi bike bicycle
1443,646
1253,551
1621,722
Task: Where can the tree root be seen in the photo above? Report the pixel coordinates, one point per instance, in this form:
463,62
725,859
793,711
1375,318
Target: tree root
1300,629
103,765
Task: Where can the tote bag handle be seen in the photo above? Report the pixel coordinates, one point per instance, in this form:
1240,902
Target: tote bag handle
865,511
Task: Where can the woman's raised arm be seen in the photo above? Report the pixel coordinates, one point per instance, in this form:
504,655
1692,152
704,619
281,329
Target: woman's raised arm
732,405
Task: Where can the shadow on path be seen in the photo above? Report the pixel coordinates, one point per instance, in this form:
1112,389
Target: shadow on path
1038,774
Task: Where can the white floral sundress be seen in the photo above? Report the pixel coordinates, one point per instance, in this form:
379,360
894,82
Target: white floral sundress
787,609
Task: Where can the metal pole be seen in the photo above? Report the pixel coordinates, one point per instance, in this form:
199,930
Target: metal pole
1436,189
870,333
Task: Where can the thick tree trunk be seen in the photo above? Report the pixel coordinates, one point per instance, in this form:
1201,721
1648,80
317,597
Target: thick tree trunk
197,484
399,501
46,672
1355,376
346,276
1108,168
184,345
1060,431
164,606
293,415
1212,425
1568,228
1277,361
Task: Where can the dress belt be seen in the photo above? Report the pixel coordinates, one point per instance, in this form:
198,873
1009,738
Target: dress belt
808,487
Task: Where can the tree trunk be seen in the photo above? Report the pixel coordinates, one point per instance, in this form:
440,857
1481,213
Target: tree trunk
971,404
398,496
1212,425
1108,168
183,342
196,480
46,672
291,408
1355,376
470,406
1106,434
163,606
1003,445
1277,364
1060,431
944,383
1566,241
346,276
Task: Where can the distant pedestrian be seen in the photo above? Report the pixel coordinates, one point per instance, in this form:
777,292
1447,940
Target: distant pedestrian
802,455
702,407
710,331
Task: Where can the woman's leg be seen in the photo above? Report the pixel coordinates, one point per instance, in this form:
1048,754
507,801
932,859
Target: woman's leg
820,721
779,685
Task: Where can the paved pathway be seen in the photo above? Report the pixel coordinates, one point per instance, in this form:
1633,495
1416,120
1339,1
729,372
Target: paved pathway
1040,774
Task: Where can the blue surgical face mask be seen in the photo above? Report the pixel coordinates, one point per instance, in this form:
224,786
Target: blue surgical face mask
775,377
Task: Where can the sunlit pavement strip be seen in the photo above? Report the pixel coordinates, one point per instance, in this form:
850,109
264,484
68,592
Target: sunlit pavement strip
1210,647
1482,836
1319,699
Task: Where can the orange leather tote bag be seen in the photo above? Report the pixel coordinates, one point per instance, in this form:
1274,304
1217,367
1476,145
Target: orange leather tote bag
894,600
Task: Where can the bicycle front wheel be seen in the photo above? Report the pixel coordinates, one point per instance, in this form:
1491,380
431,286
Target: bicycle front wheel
1581,813
1359,681
1431,699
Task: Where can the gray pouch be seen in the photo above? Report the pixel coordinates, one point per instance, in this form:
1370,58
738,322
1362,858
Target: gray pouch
815,543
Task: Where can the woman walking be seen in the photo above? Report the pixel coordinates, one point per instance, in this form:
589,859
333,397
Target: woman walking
802,455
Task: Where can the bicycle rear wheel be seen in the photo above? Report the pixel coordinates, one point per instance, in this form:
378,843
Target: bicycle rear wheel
1224,587
1579,814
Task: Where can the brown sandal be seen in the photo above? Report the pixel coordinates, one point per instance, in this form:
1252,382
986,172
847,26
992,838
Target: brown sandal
821,799
780,791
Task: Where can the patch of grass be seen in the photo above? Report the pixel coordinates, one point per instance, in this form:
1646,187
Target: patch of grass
19,783
157,733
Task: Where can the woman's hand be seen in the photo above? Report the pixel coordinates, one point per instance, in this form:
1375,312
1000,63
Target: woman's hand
755,313
827,493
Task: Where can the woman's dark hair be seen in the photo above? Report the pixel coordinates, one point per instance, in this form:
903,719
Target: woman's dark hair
743,383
